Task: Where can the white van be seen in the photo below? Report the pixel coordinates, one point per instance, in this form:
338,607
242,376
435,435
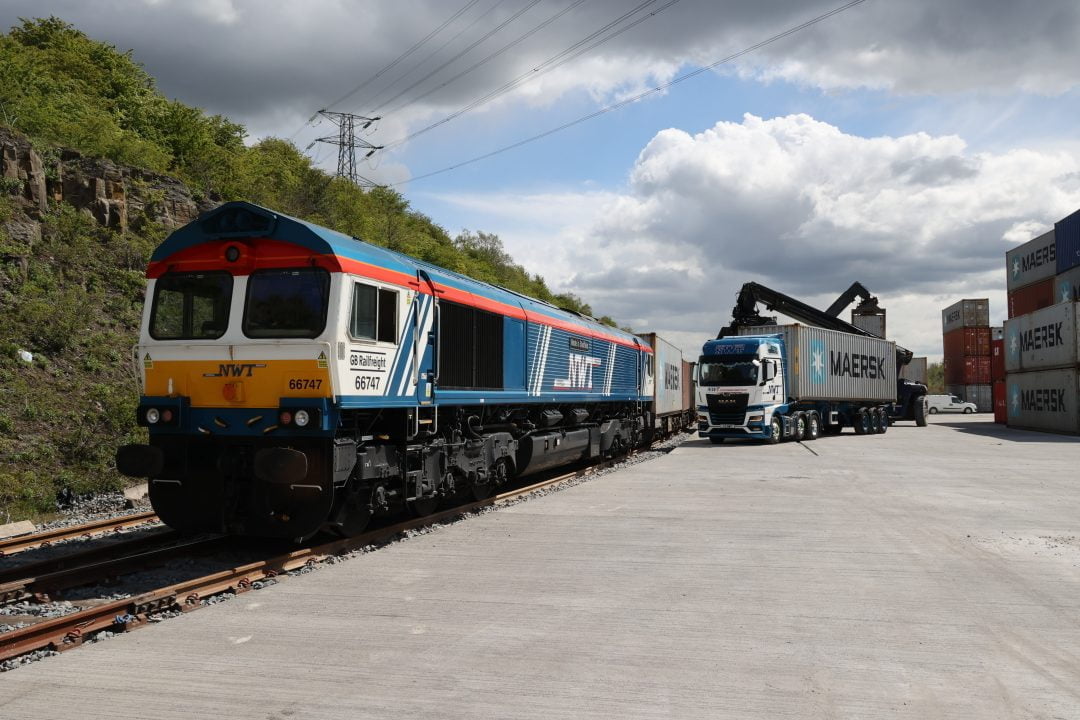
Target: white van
948,403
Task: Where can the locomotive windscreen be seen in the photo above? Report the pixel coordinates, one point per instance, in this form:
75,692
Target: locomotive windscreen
470,348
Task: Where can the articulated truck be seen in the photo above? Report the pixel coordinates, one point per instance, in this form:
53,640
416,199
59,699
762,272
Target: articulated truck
766,381
794,382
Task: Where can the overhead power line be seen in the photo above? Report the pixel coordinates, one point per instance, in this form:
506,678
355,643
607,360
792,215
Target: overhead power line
483,61
419,43
574,51
423,61
642,95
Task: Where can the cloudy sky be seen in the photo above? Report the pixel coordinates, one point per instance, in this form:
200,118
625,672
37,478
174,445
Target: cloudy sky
905,145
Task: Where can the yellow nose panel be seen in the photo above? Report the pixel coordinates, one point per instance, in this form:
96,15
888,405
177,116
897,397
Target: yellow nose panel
238,384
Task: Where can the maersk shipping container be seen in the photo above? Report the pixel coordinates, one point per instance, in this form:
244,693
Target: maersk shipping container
966,313
966,341
915,370
1067,286
1030,298
981,395
1067,239
870,322
1043,400
688,384
1044,339
831,365
1031,262
668,375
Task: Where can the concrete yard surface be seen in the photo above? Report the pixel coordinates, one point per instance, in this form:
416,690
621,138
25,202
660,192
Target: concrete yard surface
926,573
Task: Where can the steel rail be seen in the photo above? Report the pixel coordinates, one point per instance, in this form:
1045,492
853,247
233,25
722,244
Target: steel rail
70,631
19,543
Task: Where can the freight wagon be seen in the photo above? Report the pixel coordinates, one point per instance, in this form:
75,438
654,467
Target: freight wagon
673,387
794,382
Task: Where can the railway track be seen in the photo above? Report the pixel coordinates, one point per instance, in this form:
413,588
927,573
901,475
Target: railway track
70,631
20,543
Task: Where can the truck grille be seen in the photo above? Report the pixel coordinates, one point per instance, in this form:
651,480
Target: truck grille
727,408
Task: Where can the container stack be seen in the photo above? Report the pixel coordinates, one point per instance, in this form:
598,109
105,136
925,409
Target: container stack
965,329
1041,338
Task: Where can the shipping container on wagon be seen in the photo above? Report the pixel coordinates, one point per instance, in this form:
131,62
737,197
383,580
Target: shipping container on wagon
966,341
1067,286
835,366
982,395
1045,339
1067,239
668,368
966,313
915,370
997,360
688,385
1043,400
1031,298
1031,262
1001,411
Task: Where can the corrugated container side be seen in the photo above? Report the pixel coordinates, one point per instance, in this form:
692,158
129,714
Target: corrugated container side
667,366
1044,339
830,365
1067,286
870,323
1031,298
966,313
915,370
966,341
997,361
1067,238
981,395
688,385
969,370
1043,400
1031,262
1001,413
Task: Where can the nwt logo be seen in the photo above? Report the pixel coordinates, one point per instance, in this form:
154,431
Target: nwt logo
235,370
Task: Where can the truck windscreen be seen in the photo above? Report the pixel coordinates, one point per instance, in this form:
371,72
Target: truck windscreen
728,371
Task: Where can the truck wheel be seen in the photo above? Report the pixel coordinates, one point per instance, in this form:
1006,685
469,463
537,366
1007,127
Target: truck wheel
813,426
716,440
920,411
775,429
800,427
861,422
875,421
883,415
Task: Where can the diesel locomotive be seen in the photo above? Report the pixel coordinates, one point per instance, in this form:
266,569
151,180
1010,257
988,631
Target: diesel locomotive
296,379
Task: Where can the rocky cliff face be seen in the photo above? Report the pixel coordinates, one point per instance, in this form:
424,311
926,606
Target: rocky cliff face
115,196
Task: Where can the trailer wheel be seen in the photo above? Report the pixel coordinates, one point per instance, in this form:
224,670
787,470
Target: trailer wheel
800,427
813,426
775,430
883,415
875,420
920,411
861,422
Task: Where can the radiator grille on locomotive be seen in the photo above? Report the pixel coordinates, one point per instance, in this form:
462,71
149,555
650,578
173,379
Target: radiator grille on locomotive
470,348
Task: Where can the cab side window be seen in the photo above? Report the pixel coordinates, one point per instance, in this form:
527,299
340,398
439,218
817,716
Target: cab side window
374,313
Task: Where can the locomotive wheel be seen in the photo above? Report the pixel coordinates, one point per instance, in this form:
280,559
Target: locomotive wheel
482,490
355,521
421,507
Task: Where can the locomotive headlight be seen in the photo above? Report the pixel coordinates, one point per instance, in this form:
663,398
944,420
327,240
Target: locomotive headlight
152,416
301,418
